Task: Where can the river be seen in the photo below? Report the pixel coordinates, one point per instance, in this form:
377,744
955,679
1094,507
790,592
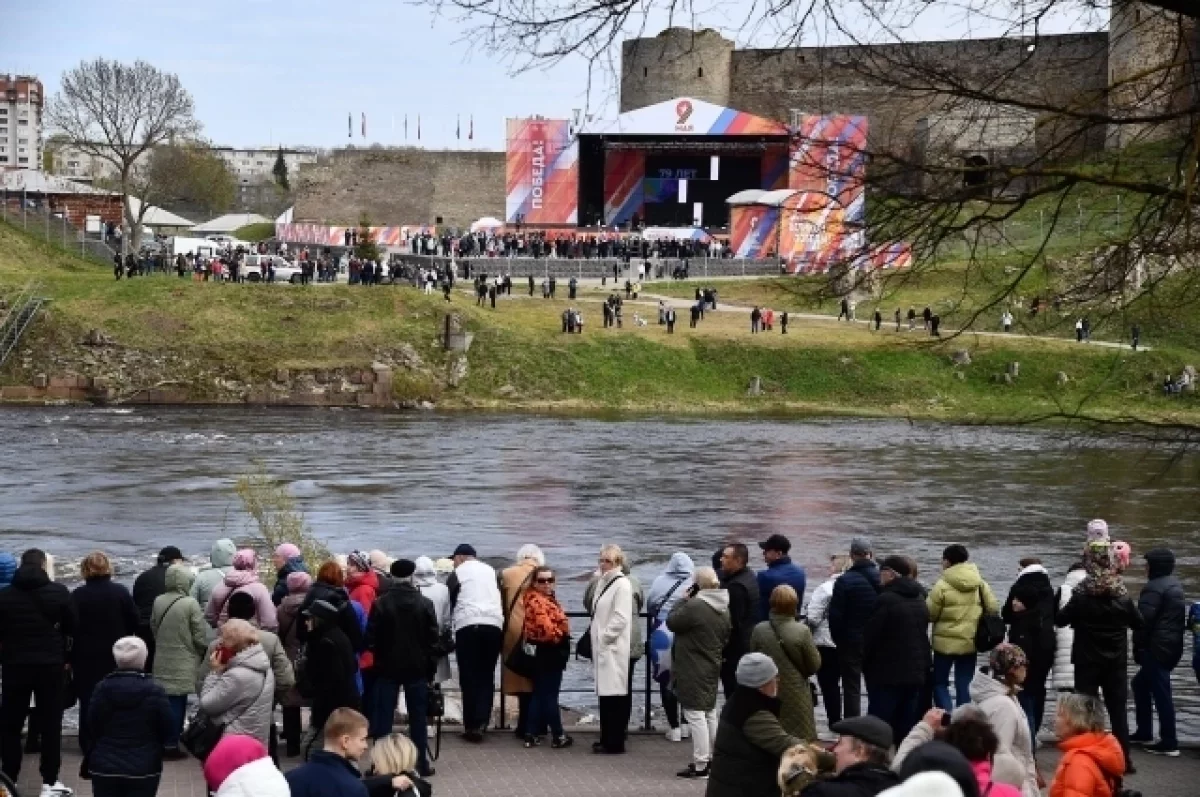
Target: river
130,481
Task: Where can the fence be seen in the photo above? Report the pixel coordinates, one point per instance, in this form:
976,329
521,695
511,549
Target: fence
564,268
54,229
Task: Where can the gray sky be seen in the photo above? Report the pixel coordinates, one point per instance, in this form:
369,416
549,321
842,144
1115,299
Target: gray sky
290,71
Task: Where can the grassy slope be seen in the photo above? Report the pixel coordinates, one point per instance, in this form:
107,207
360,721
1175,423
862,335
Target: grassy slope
247,331
255,232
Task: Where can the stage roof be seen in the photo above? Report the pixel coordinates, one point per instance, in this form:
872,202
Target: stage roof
689,117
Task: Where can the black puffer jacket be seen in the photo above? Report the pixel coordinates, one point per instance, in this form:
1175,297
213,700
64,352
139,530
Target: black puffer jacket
338,598
896,648
106,613
331,669
130,721
401,632
146,588
853,600
743,611
1101,626
1032,630
36,620
1164,612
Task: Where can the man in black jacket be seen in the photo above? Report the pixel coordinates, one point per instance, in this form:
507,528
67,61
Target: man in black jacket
1158,647
896,653
850,606
36,626
1029,613
328,677
148,586
742,585
863,754
402,632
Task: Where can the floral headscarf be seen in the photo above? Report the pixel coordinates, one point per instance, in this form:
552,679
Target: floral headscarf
1103,579
1005,658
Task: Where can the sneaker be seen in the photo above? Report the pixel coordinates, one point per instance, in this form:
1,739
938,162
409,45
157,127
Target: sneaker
562,742
693,773
674,735
1162,749
685,731
174,754
532,741
57,790
1138,738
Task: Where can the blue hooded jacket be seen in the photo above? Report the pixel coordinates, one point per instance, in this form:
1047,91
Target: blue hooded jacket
8,569
781,571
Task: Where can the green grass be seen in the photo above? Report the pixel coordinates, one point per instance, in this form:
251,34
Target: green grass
254,233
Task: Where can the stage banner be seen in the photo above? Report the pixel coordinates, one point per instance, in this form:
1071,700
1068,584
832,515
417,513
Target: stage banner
325,235
775,164
828,159
754,231
624,192
542,172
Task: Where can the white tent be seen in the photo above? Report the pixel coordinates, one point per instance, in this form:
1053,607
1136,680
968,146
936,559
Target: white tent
229,222
487,223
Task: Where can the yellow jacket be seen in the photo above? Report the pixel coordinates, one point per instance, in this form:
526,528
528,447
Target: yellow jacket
955,609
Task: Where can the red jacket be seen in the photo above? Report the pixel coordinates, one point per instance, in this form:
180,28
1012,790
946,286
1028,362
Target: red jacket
1092,764
363,589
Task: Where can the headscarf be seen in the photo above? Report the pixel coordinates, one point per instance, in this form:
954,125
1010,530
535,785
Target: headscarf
231,754
298,582
287,551
1103,580
1005,658
359,561
245,559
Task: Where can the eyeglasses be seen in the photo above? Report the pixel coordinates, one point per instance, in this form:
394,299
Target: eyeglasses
604,561
545,581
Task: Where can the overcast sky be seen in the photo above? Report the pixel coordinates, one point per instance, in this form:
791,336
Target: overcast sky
265,72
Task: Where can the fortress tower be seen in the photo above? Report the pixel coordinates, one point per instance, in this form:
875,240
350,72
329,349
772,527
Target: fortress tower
676,63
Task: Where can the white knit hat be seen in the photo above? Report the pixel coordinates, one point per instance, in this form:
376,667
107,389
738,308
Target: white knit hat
130,653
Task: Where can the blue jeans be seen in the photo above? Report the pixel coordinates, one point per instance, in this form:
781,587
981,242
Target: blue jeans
178,705
382,710
544,713
1152,692
898,706
964,671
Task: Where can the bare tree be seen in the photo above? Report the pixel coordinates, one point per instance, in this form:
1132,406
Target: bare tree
119,113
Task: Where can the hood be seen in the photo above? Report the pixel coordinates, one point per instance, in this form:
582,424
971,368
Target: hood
425,575
8,568
984,687
222,553
1033,569
252,658
29,577
964,577
904,587
240,578
680,566
716,598
1161,562
367,579
293,565
179,579
1103,748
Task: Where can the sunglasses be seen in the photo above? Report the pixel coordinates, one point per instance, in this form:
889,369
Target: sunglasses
545,581
606,561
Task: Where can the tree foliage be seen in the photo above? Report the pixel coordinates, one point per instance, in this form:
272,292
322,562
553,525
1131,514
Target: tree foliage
189,173
366,248
280,171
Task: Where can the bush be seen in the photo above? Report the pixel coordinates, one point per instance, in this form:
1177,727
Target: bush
276,519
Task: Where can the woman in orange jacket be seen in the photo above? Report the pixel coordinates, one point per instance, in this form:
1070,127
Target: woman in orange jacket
1093,762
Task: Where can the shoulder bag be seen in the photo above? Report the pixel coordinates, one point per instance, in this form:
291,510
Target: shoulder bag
990,631
583,648
203,732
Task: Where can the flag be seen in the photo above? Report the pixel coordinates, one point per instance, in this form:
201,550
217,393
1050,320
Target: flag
418,127
349,125
458,126
364,124
406,127
471,129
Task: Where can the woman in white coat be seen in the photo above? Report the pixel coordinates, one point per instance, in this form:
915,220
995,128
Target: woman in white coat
995,694
240,767
612,631
426,580
1064,638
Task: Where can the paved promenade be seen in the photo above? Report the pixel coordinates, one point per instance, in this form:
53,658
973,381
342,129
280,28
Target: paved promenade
502,768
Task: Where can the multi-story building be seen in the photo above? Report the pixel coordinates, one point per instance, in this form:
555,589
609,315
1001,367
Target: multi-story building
22,100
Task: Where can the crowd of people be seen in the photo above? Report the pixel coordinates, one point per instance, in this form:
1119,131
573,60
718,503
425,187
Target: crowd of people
624,246
346,636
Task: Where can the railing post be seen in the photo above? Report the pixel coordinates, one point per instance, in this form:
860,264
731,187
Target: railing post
646,726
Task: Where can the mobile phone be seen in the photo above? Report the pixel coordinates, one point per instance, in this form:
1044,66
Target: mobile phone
224,654
946,720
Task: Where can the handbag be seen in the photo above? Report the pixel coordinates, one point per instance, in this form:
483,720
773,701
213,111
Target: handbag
523,659
583,648
203,732
990,631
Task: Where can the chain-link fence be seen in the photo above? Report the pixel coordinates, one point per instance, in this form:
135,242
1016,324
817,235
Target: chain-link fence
55,229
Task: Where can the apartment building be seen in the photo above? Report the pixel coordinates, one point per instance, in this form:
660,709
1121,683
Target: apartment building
22,100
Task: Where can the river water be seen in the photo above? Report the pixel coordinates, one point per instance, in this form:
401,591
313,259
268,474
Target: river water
130,481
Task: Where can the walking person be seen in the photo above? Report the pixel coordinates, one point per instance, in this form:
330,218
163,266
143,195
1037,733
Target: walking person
478,633
239,690
106,614
742,585
130,724
515,581
1029,612
780,570
666,591
37,625
611,637
1135,335
816,616
701,627
850,606
1157,648
783,322
546,627
755,320
181,637
995,693
878,318
896,655
844,311
956,603
670,319
332,771
790,645
1092,761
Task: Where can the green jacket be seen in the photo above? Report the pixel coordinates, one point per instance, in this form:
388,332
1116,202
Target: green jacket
749,745
790,645
180,633
955,609
701,626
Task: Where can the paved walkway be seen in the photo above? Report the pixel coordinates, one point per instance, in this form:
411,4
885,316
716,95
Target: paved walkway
502,768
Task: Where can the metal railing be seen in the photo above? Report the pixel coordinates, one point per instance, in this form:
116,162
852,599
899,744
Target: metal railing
596,268
23,309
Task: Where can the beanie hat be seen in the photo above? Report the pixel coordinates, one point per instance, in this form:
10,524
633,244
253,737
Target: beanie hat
231,753
287,551
860,546
403,568
898,565
8,568
169,554
1097,531
1005,658
938,756
380,560
298,582
359,561
756,670
245,559
130,653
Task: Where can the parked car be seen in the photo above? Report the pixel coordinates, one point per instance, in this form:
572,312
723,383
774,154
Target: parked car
285,270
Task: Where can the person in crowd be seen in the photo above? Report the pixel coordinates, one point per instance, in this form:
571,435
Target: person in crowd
329,677
995,693
130,721
1064,635
816,617
290,621
364,588
147,587
331,771
244,578
666,591
850,606
790,645
478,636
936,769
750,741
896,656
515,581
239,690
37,625
239,767
1157,648
1093,763
181,636
1102,614
381,565
330,586
862,756
287,559
426,580
546,627
613,616
971,734
221,559
403,633
739,580
105,611
701,626
957,602
392,769
780,570
637,640
1029,612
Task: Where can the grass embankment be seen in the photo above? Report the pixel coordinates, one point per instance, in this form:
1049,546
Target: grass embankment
197,333
254,233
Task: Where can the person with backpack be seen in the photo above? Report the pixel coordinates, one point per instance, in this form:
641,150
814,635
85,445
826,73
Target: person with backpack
666,591
181,639
957,603
1029,612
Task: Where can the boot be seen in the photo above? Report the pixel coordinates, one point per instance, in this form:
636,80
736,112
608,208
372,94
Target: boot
291,730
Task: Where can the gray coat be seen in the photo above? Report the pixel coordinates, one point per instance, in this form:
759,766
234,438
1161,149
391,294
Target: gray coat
702,626
241,697
281,665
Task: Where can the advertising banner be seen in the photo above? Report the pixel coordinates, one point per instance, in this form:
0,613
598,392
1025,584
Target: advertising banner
624,193
828,160
541,172
754,231
686,116
325,235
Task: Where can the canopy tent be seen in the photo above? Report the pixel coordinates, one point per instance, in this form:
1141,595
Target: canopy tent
486,223
676,234
229,222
